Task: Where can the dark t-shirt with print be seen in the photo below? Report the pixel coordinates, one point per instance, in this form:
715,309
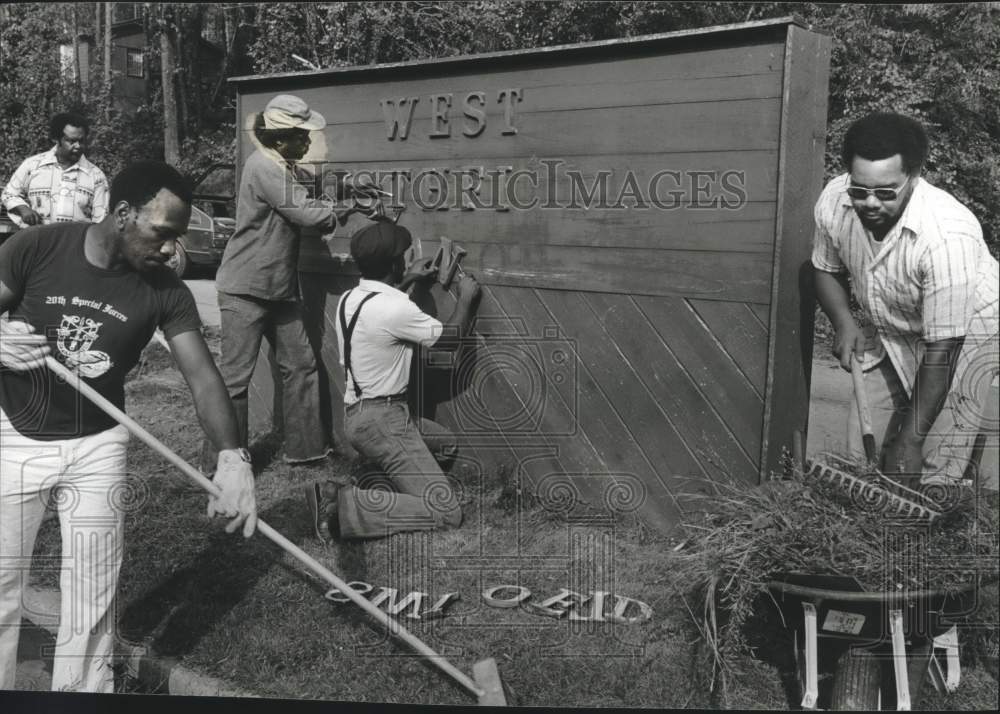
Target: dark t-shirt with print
97,321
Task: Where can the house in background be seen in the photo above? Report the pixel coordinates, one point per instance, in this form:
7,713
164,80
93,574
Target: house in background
129,42
133,65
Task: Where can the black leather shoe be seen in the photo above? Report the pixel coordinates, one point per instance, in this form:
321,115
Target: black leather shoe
321,501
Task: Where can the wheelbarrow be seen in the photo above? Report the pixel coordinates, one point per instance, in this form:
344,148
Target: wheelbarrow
882,645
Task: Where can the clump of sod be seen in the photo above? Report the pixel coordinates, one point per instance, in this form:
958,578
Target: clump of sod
747,537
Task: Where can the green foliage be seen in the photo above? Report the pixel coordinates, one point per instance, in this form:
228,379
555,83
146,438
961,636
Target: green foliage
33,87
215,147
31,84
938,63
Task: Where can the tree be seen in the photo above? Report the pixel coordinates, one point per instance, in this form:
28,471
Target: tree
108,19
77,69
171,133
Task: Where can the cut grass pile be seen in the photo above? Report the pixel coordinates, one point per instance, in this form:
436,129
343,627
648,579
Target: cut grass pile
244,611
747,538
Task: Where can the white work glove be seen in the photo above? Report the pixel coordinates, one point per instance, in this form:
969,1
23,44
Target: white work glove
234,476
21,348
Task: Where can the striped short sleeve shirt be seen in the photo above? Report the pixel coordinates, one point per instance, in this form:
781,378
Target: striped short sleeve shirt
930,279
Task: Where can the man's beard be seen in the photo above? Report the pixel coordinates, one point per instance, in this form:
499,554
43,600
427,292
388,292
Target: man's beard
879,222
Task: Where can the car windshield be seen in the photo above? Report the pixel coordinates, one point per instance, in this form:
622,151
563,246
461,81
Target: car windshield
214,193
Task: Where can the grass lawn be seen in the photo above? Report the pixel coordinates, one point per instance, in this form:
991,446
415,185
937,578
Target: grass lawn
244,611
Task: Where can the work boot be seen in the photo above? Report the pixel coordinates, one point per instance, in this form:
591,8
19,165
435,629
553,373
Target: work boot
321,501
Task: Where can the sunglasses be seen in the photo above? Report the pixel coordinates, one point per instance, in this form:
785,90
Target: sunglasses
859,193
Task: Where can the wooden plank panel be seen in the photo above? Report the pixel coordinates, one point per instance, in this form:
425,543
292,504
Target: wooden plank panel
501,241
740,125
762,312
498,241
576,455
537,92
466,413
803,139
734,277
447,396
625,424
714,276
740,334
542,369
683,404
716,375
557,174
545,394
692,71
748,230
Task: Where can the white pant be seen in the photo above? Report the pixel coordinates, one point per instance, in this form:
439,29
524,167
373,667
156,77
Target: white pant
87,479
948,445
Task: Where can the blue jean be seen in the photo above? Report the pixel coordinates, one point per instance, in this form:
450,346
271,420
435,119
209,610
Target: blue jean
245,321
416,495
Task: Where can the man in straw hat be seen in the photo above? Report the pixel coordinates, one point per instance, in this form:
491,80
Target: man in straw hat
377,328
258,278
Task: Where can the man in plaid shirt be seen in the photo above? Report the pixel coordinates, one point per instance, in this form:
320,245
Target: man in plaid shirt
59,185
926,281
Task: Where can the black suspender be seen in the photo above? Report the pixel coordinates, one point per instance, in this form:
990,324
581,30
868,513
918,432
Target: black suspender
348,330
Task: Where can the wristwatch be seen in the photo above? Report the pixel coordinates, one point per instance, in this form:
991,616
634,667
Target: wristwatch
244,455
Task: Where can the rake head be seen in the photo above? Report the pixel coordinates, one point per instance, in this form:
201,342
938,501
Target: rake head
873,490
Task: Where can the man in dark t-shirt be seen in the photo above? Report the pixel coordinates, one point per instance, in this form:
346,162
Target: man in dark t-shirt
91,296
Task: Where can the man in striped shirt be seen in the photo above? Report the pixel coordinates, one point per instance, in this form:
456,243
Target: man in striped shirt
59,185
926,281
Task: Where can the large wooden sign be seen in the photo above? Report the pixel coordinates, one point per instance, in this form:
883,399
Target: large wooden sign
640,212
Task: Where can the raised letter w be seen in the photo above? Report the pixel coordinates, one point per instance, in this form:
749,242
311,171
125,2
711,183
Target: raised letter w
392,111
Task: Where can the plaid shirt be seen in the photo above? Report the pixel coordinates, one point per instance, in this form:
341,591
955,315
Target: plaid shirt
931,279
78,193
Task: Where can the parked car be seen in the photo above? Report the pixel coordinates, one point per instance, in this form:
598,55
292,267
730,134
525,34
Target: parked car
210,228
212,222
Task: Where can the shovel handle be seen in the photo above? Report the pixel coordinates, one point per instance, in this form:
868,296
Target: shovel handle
401,632
864,414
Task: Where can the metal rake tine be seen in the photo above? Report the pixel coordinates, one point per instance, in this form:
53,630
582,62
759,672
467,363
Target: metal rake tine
856,487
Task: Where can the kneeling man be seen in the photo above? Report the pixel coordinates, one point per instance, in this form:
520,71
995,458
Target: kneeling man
377,328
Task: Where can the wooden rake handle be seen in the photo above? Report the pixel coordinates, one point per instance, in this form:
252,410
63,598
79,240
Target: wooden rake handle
864,414
398,630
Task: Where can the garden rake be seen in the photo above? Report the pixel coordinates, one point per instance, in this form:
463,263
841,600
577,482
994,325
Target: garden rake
872,487
486,685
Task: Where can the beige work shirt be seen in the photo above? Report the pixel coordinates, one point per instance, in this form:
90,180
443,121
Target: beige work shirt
261,259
